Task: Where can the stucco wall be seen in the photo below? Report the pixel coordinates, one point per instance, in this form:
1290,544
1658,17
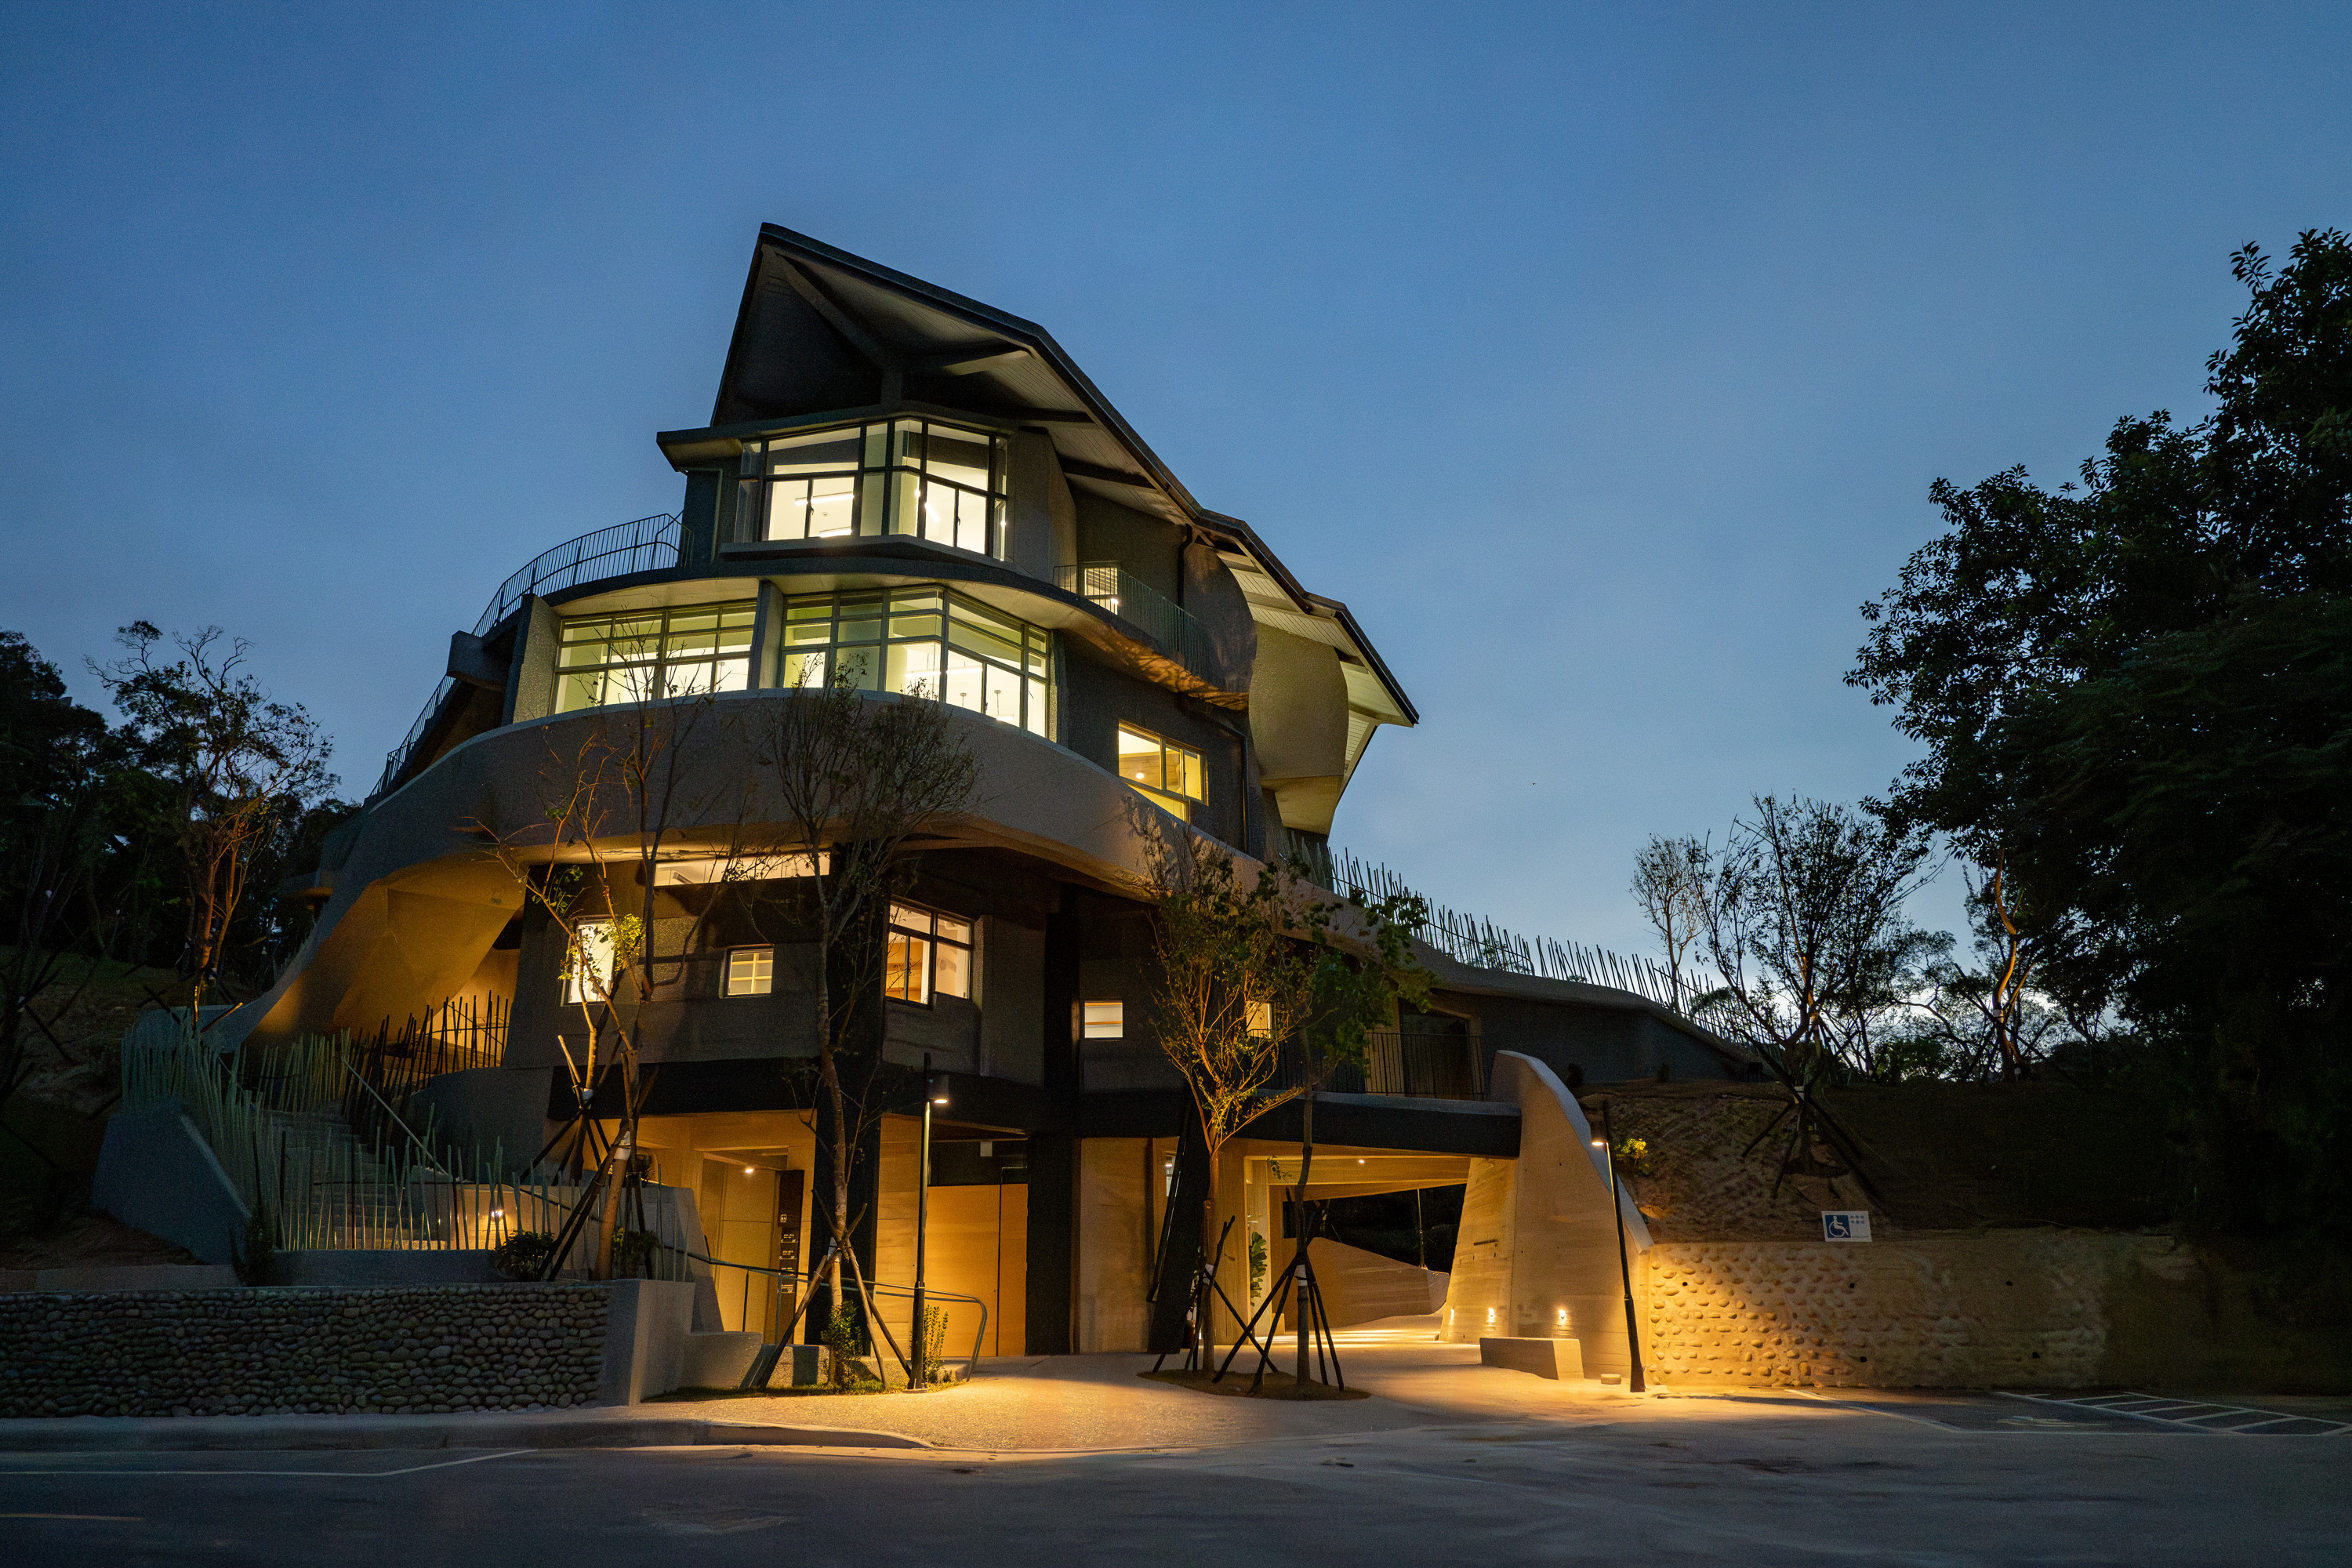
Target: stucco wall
1537,1254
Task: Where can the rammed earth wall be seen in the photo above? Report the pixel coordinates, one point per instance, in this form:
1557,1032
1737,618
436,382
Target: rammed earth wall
2014,1309
212,1352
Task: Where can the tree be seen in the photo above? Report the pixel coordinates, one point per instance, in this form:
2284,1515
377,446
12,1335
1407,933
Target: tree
1670,883
1801,917
1252,968
60,806
234,761
2134,697
855,777
591,863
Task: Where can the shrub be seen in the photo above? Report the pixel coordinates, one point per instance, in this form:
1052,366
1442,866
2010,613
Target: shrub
847,1342
522,1254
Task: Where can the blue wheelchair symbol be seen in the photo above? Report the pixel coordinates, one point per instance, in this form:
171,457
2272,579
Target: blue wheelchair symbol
1837,1227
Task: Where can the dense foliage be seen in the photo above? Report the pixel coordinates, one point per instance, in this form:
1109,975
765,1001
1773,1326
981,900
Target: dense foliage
101,822
2136,698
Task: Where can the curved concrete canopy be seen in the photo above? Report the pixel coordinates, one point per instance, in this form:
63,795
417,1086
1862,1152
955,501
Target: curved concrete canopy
415,905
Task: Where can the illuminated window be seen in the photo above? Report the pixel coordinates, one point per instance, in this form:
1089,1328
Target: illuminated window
743,869
912,477
927,641
930,954
1102,1020
1257,1017
750,971
1167,773
651,654
588,963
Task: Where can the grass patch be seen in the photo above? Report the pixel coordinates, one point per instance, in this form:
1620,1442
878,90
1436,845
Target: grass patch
1236,1385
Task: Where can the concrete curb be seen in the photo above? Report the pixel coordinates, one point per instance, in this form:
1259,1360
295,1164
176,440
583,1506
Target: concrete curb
119,1434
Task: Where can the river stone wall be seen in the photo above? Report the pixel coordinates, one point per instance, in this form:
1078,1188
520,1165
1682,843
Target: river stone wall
253,1353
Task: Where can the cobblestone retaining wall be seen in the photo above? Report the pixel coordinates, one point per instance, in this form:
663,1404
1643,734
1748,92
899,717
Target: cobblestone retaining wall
2010,1310
212,1352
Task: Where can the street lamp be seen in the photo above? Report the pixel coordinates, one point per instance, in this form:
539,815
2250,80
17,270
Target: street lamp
934,1093
1607,1145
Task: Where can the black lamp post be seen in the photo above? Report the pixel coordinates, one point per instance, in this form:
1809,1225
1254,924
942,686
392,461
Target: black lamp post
931,1096
1607,1141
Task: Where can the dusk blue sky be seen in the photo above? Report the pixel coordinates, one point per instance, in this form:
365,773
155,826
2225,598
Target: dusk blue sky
1599,358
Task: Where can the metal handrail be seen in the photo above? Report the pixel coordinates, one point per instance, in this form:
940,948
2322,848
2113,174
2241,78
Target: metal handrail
931,1293
642,545
1111,587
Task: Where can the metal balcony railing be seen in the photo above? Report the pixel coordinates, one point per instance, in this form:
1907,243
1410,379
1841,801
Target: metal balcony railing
1111,587
645,544
1422,1067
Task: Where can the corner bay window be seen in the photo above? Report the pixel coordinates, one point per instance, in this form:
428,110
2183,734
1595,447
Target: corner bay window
1168,774
905,639
911,477
930,954
647,655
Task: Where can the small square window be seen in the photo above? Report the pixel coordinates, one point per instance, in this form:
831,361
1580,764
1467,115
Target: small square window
1103,1020
750,971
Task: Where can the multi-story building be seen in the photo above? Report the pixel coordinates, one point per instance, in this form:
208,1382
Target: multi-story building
923,491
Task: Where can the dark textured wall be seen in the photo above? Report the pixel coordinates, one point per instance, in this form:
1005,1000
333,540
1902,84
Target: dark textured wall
254,1352
1096,697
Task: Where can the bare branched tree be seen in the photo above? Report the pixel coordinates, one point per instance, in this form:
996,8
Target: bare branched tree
1670,884
608,809
1801,917
855,777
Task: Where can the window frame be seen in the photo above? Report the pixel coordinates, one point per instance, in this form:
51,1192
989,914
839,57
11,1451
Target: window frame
820,632
737,619
892,484
921,924
1174,802
764,957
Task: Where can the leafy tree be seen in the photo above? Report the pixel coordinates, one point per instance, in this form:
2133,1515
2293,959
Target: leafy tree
54,758
1256,967
2134,698
234,763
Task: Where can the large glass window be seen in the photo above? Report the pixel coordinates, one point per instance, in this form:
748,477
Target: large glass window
1160,768
650,654
924,640
930,954
912,477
